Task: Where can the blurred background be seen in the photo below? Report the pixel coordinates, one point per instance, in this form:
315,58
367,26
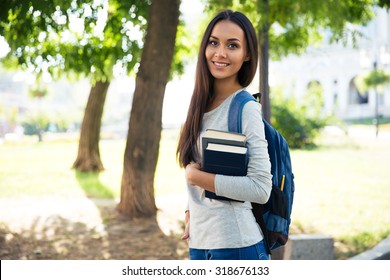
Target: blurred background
334,69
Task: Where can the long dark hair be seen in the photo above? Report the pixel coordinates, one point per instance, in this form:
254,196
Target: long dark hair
187,147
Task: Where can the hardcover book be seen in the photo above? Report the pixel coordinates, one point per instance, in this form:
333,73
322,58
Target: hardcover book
223,137
224,153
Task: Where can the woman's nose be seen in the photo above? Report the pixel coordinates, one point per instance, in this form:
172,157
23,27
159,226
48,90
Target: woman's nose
220,51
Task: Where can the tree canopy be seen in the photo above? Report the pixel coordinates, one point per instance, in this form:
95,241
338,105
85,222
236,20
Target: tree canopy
295,24
377,77
68,37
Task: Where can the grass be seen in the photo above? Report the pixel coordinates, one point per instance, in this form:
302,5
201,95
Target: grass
342,187
33,168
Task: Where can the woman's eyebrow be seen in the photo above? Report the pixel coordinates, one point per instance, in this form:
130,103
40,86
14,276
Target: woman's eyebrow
229,40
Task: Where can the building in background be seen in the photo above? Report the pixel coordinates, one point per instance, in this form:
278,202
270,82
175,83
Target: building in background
335,68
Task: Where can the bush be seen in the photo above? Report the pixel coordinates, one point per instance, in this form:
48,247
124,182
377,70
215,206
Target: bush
38,123
35,124
298,123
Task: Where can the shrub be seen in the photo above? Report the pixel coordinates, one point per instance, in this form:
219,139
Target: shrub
298,123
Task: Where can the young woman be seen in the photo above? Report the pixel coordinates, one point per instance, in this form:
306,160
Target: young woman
227,63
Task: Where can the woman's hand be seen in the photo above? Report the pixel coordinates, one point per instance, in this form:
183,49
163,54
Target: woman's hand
186,234
196,177
190,172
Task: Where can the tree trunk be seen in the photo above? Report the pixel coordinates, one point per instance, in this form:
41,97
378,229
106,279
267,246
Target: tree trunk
88,157
263,60
143,139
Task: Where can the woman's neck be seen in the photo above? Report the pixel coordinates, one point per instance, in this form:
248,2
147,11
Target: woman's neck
223,89
221,92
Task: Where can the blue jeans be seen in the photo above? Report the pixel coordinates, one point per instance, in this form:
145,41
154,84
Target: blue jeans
254,252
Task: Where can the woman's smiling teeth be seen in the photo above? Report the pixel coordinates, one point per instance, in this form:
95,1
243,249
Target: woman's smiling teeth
219,64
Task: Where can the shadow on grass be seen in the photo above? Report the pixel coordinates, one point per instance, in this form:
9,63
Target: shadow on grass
84,234
59,238
126,238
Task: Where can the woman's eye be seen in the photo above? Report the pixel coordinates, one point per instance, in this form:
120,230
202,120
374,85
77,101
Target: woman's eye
213,43
232,46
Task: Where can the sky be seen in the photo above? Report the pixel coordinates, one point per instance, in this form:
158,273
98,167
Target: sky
4,49
191,10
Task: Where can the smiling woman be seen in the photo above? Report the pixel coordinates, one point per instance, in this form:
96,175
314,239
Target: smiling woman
227,63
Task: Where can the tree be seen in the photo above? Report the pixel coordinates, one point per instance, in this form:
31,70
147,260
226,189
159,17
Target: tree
65,37
86,55
384,4
117,46
289,26
373,80
141,153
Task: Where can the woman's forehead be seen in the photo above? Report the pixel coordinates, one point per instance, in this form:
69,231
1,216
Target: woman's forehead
226,29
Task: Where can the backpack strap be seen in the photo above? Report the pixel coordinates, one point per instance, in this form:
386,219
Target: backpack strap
235,110
235,125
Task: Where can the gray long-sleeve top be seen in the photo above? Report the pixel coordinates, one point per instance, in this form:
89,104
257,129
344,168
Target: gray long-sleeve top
226,224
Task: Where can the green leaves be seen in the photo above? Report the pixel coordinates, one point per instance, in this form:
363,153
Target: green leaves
73,37
376,78
301,122
294,24
384,4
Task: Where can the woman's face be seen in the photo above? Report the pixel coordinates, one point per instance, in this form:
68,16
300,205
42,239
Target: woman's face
226,50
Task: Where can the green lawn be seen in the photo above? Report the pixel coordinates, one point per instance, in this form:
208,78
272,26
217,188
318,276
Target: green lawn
342,187
33,168
343,190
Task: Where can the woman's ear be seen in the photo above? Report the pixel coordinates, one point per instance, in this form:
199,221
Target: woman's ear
247,57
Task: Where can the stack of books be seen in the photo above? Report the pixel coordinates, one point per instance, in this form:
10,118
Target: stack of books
224,153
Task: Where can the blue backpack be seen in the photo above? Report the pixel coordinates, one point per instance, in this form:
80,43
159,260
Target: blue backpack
274,217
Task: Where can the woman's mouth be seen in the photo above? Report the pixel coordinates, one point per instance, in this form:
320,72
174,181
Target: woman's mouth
220,64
